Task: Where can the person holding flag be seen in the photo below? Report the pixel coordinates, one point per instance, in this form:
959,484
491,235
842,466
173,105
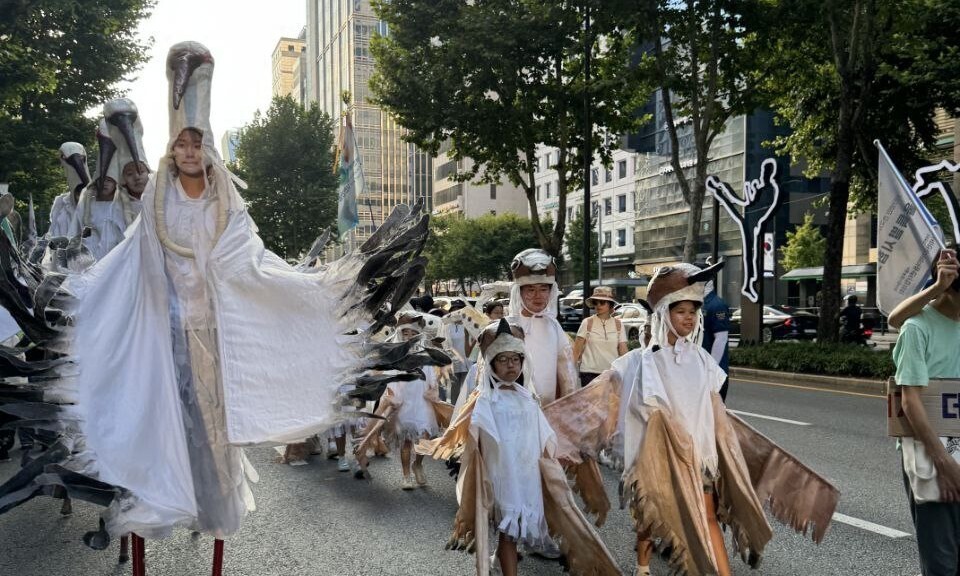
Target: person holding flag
908,240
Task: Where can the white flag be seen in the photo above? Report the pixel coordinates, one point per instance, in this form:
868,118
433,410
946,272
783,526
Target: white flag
908,238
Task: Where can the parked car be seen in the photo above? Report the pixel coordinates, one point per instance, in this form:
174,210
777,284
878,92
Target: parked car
633,317
781,323
570,317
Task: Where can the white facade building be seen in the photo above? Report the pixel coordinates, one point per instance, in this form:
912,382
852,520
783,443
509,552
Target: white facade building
472,200
612,192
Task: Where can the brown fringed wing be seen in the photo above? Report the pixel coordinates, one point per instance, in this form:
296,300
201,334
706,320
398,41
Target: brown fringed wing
665,493
588,483
795,494
450,444
738,505
585,552
585,420
371,433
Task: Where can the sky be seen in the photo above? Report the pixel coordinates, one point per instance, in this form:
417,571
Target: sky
241,35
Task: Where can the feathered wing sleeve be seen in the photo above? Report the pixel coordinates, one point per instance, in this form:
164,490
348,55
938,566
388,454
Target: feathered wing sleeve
451,443
585,422
794,493
585,552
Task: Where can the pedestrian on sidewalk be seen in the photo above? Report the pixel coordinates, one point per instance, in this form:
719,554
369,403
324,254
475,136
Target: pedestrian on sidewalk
601,338
927,348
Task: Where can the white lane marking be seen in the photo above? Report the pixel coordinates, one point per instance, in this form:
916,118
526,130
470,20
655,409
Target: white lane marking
774,418
864,525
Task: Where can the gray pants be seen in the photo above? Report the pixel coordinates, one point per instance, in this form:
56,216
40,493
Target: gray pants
938,535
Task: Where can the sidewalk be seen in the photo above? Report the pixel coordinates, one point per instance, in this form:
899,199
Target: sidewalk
858,385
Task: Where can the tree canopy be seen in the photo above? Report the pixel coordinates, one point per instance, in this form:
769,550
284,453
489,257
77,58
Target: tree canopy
475,250
59,59
844,73
805,246
574,243
703,58
286,157
501,78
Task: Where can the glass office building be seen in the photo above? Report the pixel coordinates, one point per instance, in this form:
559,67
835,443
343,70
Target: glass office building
338,60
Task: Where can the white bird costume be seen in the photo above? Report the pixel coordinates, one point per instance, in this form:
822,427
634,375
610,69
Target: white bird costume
190,339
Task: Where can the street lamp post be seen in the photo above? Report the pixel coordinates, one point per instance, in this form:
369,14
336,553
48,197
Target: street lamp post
587,155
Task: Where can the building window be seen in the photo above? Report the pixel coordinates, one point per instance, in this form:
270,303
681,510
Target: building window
547,188
622,203
538,193
594,176
607,206
608,175
593,208
622,169
569,215
493,191
622,237
493,212
606,239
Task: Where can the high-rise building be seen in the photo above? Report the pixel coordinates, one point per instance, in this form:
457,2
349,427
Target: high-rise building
286,56
472,200
339,61
228,145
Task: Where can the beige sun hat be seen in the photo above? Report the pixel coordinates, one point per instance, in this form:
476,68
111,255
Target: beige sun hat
604,293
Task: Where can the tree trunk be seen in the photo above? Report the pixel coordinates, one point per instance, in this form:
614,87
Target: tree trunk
836,223
692,240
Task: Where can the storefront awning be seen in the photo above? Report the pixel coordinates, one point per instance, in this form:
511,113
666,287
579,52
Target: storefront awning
852,271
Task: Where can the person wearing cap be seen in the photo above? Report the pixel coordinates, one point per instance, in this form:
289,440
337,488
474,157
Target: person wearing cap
194,340
73,159
509,445
412,417
458,344
601,338
100,209
686,459
533,306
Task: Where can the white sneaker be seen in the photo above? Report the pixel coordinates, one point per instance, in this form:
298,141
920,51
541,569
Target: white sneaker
551,551
407,483
343,465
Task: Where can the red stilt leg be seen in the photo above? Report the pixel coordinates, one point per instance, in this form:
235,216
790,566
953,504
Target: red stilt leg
124,549
217,557
139,553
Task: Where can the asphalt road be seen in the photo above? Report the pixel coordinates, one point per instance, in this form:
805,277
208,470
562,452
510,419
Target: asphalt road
313,520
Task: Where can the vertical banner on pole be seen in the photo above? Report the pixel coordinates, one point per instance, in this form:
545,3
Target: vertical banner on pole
768,252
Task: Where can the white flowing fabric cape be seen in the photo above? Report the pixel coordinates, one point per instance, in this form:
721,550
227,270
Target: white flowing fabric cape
280,344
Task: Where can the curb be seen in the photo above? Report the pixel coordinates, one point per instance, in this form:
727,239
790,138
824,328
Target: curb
862,385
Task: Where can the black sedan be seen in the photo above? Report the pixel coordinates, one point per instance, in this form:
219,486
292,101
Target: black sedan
570,318
781,323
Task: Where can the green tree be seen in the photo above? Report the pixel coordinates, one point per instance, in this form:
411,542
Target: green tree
805,246
59,59
476,250
499,79
703,58
286,157
843,73
574,243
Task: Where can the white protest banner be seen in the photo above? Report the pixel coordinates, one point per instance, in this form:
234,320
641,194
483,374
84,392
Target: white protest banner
908,237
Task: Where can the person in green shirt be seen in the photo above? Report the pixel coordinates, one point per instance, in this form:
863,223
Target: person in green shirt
927,348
